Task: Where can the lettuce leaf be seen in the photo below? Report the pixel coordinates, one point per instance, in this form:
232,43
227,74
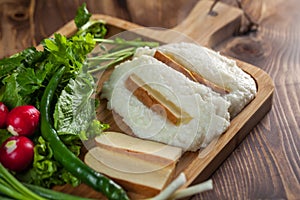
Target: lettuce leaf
75,108
45,171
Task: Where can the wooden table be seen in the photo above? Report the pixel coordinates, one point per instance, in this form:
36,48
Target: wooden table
266,164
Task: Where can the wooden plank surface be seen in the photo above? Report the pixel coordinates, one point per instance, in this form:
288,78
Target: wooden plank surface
266,163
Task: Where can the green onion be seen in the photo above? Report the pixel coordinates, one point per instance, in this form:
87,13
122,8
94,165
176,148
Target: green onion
172,192
51,194
11,187
195,189
124,49
7,191
171,188
134,43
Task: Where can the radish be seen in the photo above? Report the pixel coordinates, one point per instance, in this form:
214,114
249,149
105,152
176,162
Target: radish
3,115
16,153
23,120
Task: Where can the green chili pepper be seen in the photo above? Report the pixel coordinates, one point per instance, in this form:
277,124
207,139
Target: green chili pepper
63,155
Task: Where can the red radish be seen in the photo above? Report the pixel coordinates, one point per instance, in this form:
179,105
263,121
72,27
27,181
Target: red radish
3,115
16,153
23,120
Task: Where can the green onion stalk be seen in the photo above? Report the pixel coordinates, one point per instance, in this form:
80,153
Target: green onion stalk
123,50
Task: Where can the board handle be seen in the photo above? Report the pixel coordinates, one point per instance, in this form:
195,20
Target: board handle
199,26
210,29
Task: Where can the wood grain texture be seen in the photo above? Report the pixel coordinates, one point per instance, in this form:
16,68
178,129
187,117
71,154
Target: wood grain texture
15,28
266,164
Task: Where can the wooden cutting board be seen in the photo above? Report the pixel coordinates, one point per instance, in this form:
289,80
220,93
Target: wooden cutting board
208,31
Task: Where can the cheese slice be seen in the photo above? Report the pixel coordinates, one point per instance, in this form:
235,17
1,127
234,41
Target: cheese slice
194,76
154,100
130,172
136,164
143,149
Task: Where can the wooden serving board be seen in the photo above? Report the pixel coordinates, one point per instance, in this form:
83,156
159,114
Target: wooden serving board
208,31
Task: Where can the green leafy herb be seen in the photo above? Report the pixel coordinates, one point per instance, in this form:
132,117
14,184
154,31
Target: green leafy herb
82,16
31,56
29,71
69,52
27,57
95,128
10,92
96,28
30,80
18,77
7,65
86,25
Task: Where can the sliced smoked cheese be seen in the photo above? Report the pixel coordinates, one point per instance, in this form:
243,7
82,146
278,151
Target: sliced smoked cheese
139,148
135,173
154,100
136,164
189,74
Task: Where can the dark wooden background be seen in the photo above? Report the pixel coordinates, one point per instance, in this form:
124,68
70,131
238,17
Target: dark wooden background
266,163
